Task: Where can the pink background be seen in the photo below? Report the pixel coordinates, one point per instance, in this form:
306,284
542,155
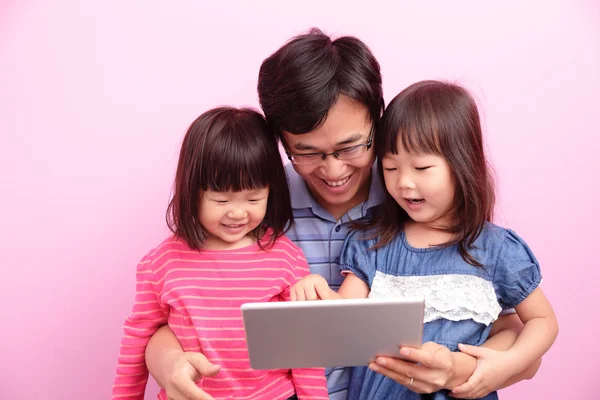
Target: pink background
95,98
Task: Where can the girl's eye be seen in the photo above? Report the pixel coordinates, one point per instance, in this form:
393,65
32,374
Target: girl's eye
221,201
389,169
422,168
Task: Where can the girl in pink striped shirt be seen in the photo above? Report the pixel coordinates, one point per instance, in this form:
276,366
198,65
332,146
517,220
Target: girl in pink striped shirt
228,214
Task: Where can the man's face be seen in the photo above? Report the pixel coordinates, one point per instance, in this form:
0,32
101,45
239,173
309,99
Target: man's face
337,185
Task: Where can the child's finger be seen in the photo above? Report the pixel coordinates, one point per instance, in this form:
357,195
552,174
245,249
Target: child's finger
323,291
293,294
310,294
300,293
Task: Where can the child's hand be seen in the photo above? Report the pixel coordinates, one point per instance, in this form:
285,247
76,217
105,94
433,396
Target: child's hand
493,369
187,368
312,287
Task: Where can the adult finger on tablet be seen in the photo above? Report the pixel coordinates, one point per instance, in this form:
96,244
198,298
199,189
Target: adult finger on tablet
420,356
400,367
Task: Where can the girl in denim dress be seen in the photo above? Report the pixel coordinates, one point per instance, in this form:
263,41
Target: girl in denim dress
434,238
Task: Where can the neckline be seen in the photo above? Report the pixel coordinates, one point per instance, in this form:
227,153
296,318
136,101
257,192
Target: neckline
252,246
420,249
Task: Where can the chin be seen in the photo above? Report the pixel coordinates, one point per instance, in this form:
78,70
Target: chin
340,200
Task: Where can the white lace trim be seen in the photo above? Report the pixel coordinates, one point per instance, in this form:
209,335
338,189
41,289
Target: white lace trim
453,297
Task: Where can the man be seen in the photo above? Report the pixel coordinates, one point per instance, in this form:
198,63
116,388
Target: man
323,99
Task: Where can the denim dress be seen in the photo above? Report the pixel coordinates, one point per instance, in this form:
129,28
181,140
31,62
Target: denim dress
461,300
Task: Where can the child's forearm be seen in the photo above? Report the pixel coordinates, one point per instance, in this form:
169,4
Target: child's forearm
464,366
501,341
161,353
535,339
504,340
528,373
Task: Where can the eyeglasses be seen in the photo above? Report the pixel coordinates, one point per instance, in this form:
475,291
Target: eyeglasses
346,153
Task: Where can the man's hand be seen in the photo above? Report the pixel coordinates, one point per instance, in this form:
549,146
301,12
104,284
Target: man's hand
187,368
424,370
493,369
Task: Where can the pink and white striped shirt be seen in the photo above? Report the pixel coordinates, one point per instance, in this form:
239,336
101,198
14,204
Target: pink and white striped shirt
199,295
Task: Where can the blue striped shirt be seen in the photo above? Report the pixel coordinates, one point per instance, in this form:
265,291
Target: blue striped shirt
320,236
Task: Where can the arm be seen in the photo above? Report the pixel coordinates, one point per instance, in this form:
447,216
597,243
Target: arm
175,370
539,332
146,316
522,359
516,280
439,368
503,335
503,340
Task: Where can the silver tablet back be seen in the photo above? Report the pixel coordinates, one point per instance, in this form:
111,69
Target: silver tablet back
330,333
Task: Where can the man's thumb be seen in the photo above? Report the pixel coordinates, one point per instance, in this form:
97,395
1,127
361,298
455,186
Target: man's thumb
202,365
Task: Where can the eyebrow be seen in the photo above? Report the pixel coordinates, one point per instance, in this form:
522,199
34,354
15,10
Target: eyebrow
351,139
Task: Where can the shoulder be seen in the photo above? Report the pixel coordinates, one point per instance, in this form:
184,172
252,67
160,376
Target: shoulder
514,248
284,245
494,237
506,251
362,238
488,245
361,244
285,242
491,234
169,249
171,245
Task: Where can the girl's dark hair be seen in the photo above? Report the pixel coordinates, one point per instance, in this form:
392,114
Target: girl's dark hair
228,149
439,118
300,82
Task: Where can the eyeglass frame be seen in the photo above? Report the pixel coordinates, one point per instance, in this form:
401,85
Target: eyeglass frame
335,153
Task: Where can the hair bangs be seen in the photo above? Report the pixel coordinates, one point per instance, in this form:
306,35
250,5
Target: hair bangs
411,124
235,161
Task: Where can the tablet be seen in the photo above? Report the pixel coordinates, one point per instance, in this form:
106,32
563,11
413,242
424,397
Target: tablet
330,333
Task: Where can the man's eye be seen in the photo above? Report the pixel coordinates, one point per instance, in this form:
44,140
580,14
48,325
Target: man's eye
310,156
349,150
